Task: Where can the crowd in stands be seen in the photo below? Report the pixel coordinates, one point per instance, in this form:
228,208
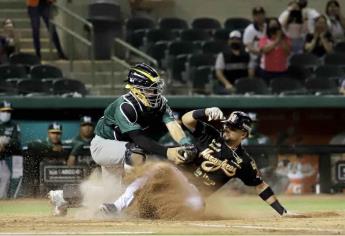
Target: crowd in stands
266,48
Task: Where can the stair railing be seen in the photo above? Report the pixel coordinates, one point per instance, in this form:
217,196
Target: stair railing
89,43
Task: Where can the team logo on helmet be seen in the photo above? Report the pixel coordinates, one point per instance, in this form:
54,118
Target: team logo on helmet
145,84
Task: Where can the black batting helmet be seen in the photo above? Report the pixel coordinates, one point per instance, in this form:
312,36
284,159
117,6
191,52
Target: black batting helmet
239,120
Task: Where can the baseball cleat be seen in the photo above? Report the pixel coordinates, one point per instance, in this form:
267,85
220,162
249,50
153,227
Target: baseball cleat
108,209
59,204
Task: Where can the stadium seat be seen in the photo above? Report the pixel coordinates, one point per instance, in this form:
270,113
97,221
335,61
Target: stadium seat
157,51
154,35
173,23
299,72
32,87
25,59
135,29
236,23
201,81
12,72
221,35
329,71
7,88
213,47
206,23
45,72
306,60
68,87
286,86
197,60
176,48
178,66
139,23
135,38
340,47
321,85
335,59
192,35
251,86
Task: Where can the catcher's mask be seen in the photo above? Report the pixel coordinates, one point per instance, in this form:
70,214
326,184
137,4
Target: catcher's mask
238,120
145,84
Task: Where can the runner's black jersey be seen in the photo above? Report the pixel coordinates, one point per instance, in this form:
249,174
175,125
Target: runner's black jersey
217,163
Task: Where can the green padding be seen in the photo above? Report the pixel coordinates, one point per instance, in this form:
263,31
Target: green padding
187,102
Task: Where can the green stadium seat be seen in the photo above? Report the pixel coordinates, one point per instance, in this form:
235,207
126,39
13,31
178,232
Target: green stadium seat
45,72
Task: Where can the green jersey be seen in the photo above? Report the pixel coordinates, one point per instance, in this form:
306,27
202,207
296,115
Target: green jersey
127,114
10,138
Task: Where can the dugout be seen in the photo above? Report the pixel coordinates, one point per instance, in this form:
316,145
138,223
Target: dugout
303,125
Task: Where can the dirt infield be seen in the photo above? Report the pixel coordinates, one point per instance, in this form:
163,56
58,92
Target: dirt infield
243,215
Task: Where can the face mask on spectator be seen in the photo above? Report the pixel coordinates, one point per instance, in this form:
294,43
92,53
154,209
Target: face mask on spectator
273,29
235,46
5,117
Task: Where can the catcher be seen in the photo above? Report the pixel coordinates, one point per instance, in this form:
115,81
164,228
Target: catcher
135,117
217,157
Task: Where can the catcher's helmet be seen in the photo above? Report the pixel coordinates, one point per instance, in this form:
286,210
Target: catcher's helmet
145,84
239,120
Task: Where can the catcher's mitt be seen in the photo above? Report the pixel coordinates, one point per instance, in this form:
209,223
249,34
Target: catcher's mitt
188,153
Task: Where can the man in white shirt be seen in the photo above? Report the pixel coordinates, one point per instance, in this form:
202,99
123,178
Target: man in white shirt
309,15
251,37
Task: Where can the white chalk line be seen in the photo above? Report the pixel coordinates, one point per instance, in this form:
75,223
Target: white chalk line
267,228
83,233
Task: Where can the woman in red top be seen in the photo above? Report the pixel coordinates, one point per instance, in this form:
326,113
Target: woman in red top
275,49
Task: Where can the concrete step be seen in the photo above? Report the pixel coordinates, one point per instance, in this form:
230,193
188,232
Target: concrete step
20,23
13,13
85,66
44,53
104,79
27,32
28,43
12,4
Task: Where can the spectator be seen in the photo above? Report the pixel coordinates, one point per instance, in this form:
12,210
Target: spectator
86,133
320,42
251,37
336,20
36,10
309,14
231,64
48,151
11,42
275,49
294,26
9,145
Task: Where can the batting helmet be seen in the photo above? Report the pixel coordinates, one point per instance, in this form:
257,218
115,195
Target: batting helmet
239,120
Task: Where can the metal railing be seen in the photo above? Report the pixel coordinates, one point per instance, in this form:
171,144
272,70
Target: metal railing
89,43
129,50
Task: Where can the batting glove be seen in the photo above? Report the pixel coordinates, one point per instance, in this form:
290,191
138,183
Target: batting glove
214,113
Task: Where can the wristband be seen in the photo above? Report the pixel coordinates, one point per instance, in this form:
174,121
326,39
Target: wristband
278,207
199,114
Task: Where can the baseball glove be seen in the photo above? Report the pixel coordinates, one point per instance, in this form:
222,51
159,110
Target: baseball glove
188,153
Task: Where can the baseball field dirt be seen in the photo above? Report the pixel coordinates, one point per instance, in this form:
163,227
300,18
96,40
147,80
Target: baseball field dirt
323,214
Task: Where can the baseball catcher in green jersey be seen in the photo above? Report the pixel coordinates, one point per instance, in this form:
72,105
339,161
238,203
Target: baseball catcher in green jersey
133,117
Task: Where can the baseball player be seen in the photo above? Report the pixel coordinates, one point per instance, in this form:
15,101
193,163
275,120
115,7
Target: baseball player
134,117
218,158
9,145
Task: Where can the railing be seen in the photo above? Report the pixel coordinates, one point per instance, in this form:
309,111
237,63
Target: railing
130,50
89,43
